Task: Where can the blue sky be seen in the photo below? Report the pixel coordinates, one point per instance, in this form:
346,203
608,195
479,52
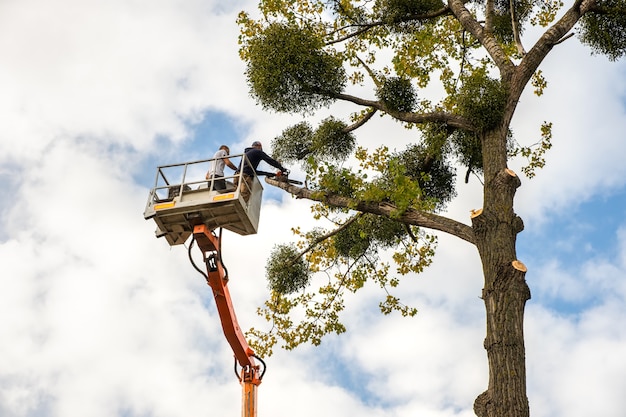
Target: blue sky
102,319
588,230
589,226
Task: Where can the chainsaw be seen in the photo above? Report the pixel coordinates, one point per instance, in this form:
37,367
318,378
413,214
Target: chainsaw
280,176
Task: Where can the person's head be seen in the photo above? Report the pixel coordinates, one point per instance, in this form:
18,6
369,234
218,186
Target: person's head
224,147
256,144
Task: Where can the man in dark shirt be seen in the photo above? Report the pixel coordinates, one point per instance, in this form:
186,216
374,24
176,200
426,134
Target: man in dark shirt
254,155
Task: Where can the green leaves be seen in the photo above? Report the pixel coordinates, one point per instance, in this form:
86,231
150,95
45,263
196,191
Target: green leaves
344,261
311,279
605,29
331,141
286,271
535,154
294,144
396,11
434,175
367,235
482,100
397,94
288,71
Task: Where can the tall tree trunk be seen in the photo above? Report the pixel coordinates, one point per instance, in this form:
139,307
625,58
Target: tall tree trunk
505,290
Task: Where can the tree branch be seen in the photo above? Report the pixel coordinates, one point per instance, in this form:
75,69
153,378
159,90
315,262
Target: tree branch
485,37
516,29
452,120
360,122
364,27
551,37
322,238
370,71
412,217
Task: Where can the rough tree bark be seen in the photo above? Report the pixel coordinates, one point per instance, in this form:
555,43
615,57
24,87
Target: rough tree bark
505,294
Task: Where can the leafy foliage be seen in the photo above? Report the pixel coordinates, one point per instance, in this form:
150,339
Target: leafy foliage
605,31
393,183
535,154
502,22
367,235
286,271
482,100
398,94
436,178
344,263
406,15
289,71
331,141
294,144
539,82
545,12
468,149
402,10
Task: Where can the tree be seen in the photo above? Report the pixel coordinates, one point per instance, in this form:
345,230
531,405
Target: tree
302,56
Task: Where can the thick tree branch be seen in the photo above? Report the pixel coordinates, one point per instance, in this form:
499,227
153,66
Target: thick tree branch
486,39
551,37
516,29
452,120
412,217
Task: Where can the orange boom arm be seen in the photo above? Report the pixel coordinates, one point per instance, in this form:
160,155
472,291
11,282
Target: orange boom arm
218,281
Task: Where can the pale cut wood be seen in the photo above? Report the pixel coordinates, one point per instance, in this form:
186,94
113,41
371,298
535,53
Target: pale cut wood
519,266
475,213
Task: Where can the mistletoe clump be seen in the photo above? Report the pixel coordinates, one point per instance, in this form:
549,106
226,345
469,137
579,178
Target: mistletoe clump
331,141
286,271
397,94
289,71
482,100
605,31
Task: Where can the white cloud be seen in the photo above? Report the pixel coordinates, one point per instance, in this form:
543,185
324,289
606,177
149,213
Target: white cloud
114,69
576,366
585,102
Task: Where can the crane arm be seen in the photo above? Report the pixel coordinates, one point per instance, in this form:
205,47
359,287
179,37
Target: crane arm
217,279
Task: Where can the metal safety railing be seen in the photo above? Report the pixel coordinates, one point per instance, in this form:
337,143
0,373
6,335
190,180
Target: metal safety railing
177,179
186,194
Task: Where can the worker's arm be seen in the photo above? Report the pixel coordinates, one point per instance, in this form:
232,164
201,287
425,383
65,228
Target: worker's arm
273,162
230,164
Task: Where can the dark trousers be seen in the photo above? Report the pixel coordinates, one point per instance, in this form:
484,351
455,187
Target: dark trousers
219,183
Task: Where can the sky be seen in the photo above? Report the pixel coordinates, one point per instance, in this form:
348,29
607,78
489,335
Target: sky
99,318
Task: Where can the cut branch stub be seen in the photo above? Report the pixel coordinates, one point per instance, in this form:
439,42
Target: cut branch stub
475,213
508,176
519,266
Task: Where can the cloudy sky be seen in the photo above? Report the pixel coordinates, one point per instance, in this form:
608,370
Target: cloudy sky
101,319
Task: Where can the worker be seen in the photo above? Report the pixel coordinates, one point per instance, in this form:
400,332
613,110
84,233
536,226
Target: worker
254,155
216,169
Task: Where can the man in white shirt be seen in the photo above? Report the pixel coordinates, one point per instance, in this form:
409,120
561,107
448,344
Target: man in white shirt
216,170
